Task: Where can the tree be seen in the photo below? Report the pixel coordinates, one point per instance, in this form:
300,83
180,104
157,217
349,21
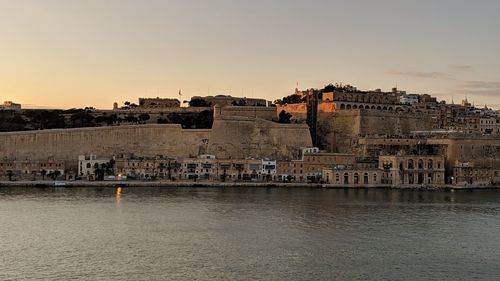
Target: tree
162,121
82,119
112,119
284,117
204,120
144,117
239,168
131,118
43,173
198,102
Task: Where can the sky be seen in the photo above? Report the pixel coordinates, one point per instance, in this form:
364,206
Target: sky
68,53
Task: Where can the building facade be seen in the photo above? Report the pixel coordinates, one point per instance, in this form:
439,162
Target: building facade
404,170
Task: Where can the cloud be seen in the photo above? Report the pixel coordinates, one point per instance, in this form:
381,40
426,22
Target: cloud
461,67
480,88
421,74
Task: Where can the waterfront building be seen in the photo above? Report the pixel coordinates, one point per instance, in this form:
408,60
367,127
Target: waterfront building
89,165
479,172
309,167
403,170
203,167
268,170
141,167
352,176
30,170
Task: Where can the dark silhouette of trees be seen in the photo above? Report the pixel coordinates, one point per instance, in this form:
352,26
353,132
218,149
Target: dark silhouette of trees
82,119
131,118
10,174
284,117
143,117
290,100
43,173
198,102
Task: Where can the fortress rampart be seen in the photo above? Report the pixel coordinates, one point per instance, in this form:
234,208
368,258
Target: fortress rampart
230,137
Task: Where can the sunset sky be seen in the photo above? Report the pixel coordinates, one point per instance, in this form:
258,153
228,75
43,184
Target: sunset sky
94,52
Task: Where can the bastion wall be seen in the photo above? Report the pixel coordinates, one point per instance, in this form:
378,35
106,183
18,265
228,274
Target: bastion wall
230,137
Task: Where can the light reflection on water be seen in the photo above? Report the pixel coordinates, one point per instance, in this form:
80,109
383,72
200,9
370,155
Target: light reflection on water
248,233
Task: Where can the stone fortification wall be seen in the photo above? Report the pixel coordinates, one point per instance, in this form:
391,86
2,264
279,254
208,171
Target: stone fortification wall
393,123
241,137
67,144
230,137
292,108
154,110
466,149
340,131
262,112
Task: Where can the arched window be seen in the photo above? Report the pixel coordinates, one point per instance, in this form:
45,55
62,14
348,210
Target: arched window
356,178
365,177
88,165
429,164
342,107
348,107
420,164
346,178
410,164
354,107
337,177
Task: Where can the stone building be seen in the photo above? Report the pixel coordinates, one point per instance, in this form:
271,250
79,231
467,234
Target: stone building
144,167
268,172
490,125
32,170
408,170
203,167
240,169
158,103
347,100
88,164
477,173
355,176
311,165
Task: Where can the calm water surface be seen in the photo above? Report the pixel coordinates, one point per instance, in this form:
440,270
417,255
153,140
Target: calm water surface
248,234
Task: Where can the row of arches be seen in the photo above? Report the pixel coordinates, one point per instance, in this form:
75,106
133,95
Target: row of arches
348,106
366,98
356,178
